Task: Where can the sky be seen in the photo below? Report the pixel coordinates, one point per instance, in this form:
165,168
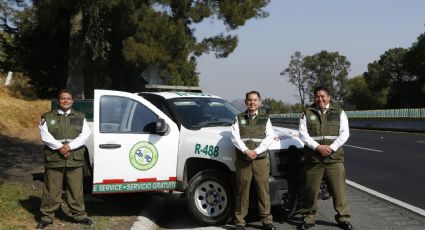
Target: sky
361,30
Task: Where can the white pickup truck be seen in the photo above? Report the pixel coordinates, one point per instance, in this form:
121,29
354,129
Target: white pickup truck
178,141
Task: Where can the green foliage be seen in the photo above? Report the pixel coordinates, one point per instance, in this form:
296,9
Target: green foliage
393,77
273,106
297,108
329,69
222,45
94,38
41,46
122,38
414,62
8,14
235,13
361,97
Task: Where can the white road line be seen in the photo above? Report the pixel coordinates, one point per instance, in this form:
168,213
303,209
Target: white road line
387,198
357,147
423,142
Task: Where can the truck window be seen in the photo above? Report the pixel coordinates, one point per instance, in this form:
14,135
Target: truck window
160,105
196,113
123,115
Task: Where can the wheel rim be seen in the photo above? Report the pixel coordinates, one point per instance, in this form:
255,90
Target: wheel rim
210,198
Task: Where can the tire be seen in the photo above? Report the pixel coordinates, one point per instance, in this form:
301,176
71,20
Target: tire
209,197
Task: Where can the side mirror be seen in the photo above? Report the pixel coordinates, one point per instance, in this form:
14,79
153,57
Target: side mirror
162,127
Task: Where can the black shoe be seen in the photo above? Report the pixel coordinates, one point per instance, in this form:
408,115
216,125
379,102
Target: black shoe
42,224
239,227
269,227
85,221
345,225
304,225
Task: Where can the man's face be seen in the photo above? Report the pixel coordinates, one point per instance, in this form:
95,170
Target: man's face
65,101
253,102
321,99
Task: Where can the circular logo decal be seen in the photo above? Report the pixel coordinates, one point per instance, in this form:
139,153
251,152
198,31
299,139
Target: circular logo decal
243,122
313,117
143,155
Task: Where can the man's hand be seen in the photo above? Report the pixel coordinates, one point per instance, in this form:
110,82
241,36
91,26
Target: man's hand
251,154
65,150
324,150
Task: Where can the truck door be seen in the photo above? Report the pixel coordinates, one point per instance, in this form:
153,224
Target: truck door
135,144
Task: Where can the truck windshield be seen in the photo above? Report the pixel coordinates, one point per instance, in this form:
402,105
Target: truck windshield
196,113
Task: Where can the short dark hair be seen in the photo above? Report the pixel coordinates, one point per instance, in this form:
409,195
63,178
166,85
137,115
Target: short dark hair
252,92
64,91
321,88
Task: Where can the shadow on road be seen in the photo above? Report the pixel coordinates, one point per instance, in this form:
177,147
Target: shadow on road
19,158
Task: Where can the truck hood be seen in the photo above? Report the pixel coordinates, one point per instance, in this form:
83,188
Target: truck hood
284,137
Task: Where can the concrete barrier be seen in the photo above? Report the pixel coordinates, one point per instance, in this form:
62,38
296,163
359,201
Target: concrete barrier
394,124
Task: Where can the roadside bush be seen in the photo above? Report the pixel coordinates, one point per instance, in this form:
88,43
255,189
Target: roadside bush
20,87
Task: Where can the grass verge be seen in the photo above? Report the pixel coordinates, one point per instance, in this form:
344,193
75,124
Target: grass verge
21,157
19,207
17,204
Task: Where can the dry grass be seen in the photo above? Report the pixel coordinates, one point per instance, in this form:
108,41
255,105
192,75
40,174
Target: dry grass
20,117
21,159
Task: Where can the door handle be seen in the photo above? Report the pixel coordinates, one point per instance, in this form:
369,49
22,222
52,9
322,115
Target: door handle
109,146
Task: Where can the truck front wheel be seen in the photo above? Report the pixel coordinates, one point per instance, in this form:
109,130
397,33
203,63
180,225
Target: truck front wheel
209,197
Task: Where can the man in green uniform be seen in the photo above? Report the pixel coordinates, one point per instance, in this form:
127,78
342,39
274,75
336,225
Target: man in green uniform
63,132
324,129
252,134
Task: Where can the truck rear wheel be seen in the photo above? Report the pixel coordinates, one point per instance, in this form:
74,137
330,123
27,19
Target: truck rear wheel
292,203
209,197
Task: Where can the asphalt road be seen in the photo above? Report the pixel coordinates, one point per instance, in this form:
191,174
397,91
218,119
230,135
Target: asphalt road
390,163
368,213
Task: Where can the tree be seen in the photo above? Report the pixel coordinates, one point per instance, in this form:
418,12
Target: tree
9,11
329,69
361,97
166,38
273,106
297,108
414,61
389,76
75,80
297,76
116,41
393,75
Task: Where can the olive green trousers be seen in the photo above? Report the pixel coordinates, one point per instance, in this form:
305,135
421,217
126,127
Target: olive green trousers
245,171
335,174
52,193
